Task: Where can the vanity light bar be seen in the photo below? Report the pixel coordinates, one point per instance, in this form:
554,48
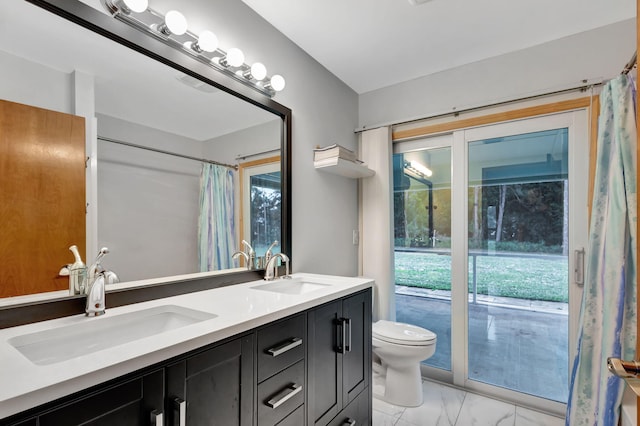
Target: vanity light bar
172,30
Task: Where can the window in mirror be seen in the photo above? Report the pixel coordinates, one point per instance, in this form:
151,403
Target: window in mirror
261,191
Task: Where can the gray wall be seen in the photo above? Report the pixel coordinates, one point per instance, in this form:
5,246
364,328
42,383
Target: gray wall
593,55
324,112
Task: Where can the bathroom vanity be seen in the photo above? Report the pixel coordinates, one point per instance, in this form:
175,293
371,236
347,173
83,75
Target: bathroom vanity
286,352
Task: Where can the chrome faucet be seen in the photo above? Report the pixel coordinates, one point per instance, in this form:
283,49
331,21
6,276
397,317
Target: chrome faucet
96,297
268,255
95,282
271,269
249,255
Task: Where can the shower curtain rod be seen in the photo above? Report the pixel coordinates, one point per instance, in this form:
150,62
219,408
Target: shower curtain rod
244,157
632,63
161,151
581,88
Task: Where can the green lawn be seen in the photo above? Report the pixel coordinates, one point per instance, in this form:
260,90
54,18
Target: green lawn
544,278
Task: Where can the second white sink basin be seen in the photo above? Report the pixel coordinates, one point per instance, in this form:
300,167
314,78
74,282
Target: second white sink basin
293,286
70,341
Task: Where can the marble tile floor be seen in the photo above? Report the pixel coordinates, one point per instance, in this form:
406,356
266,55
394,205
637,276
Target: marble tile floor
447,406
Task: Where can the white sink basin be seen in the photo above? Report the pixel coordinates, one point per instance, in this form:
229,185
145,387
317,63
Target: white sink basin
70,341
293,286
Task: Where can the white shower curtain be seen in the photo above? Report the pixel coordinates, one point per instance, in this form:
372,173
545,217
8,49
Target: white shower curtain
216,224
608,315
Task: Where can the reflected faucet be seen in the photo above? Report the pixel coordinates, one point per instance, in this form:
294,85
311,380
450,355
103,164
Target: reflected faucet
249,256
96,280
271,269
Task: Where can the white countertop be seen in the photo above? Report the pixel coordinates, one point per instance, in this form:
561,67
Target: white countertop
239,308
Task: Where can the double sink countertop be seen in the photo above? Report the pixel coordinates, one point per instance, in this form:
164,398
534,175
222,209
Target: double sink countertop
47,360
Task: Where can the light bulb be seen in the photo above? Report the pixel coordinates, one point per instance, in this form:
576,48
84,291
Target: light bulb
175,22
258,71
207,41
234,57
137,6
277,82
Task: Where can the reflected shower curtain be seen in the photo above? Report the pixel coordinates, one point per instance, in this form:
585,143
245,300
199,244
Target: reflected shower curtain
216,224
608,315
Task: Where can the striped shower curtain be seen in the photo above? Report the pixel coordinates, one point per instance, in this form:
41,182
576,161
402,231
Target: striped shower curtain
608,314
216,224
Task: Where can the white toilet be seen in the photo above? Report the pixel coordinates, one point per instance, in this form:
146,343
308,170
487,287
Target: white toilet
401,347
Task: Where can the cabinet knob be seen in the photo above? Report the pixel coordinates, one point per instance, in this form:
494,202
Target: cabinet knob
349,422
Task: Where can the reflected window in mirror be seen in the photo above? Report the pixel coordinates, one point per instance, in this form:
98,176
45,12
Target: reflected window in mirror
261,199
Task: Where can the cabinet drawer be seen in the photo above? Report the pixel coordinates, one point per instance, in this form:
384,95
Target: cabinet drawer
280,345
280,395
294,419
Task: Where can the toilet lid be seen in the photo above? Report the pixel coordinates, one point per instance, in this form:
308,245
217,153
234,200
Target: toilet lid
402,334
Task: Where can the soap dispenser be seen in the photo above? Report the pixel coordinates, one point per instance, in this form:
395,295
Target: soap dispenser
77,273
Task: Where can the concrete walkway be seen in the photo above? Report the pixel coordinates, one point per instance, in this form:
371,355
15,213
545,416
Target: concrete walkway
513,343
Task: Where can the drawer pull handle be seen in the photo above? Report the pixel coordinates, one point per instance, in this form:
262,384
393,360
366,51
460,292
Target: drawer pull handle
349,422
157,418
284,395
180,405
284,347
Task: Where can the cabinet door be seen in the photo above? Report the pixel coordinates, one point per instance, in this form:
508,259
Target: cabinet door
214,387
129,403
357,413
324,380
357,355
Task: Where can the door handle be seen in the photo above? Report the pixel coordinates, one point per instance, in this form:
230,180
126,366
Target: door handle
157,418
623,369
180,410
579,267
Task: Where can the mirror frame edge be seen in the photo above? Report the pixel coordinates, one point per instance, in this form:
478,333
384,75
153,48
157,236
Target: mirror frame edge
87,17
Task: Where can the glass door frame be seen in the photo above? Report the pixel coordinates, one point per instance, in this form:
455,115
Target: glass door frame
577,121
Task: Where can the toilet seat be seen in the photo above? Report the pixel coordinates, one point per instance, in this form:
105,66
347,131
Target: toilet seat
402,334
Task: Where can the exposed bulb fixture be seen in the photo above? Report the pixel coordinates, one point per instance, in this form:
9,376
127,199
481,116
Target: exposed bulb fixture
174,23
276,83
207,42
204,47
257,71
233,58
128,6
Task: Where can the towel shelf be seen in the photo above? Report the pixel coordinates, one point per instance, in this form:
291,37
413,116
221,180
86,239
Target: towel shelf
345,168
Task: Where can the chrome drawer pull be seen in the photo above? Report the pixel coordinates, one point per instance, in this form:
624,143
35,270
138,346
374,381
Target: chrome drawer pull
284,395
157,418
180,405
284,347
349,422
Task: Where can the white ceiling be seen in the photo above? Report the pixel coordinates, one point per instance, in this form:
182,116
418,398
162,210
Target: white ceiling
370,44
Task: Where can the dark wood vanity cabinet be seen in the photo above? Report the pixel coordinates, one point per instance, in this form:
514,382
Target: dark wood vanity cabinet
339,360
137,401
213,387
312,368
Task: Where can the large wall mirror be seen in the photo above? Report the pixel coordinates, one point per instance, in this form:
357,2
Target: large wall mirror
165,126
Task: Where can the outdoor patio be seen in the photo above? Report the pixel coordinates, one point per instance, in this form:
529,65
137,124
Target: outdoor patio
514,343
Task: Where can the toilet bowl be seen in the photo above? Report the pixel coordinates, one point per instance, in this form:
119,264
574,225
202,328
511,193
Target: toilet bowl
400,348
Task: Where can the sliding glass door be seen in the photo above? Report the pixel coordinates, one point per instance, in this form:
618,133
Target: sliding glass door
488,223
422,235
